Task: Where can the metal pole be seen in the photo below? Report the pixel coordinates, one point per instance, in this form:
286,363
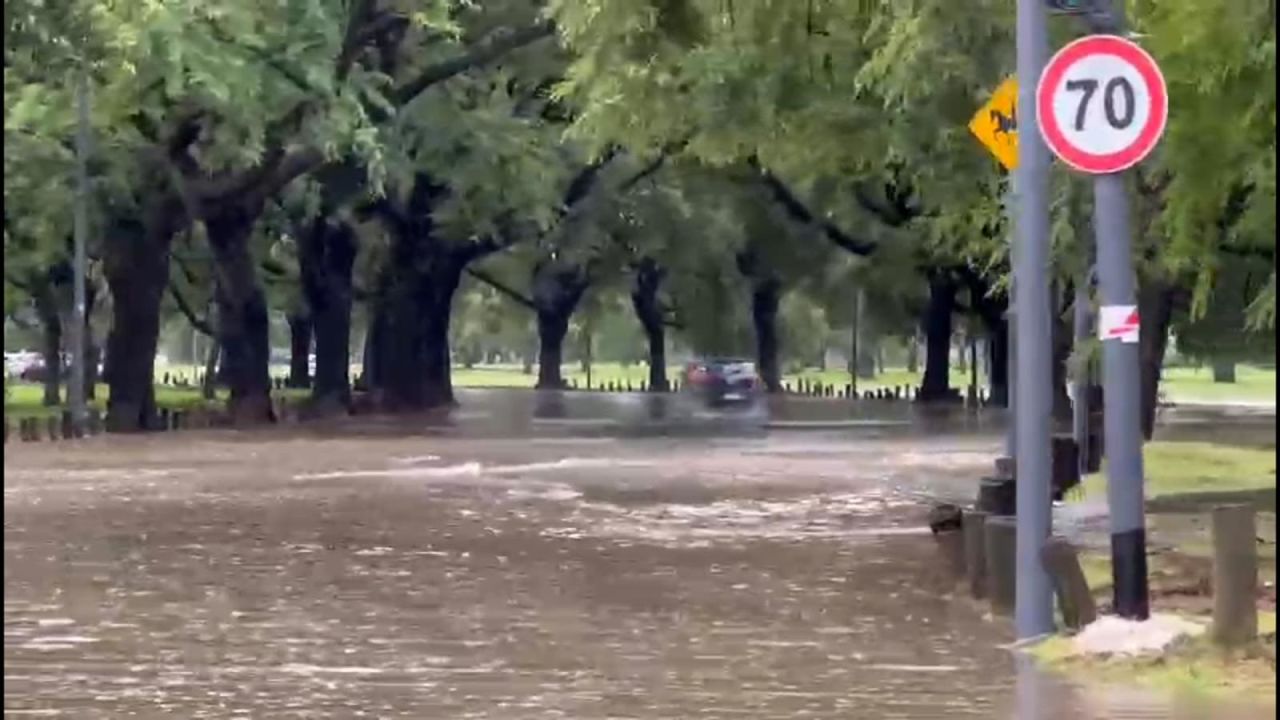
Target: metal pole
1011,344
75,385
1122,377
1033,613
1122,415
853,342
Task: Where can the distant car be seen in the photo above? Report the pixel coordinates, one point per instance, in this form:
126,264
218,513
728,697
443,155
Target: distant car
32,370
723,381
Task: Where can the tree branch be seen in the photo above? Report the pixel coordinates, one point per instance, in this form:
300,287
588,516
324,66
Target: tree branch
200,325
801,213
355,35
484,52
502,288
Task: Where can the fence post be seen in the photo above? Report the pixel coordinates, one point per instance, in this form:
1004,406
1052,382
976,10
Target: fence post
1235,575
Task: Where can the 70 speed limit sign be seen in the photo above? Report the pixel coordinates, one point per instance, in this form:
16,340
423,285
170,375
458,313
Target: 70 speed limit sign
1102,104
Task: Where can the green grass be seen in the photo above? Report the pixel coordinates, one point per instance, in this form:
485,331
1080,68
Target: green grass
1185,384
1253,384
1174,468
26,400
1194,669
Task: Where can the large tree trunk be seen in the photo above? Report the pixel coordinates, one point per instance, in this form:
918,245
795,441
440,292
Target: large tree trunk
644,299
327,252
766,295
45,293
998,363
913,354
936,384
557,290
243,327
136,264
1224,371
552,328
299,351
412,358
92,352
209,388
869,351
1062,338
1155,309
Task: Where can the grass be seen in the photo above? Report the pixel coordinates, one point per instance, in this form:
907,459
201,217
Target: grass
1180,384
1194,668
1174,468
26,399
1253,384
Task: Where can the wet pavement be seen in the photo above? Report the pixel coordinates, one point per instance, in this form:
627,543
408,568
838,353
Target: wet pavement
583,558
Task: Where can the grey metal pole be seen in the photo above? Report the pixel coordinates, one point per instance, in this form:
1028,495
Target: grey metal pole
1122,415
1033,613
853,343
1011,344
75,385
1122,380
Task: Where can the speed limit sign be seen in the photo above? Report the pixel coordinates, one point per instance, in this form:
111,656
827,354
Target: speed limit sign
1102,104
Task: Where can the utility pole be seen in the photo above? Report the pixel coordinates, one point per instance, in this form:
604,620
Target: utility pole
1033,612
1121,372
853,343
75,386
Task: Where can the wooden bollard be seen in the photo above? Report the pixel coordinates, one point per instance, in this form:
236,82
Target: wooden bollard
179,419
24,430
53,425
68,429
1005,468
164,419
997,496
1065,465
1062,563
975,552
628,384
1235,575
1000,539
95,421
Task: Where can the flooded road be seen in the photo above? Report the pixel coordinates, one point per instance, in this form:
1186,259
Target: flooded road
520,571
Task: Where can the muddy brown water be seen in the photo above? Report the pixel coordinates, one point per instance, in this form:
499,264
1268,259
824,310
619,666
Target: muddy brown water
305,575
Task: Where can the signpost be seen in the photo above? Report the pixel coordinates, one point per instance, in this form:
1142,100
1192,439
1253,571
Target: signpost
1033,611
1103,105
996,127
996,124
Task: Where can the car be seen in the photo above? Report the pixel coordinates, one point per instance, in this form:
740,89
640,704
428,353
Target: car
722,381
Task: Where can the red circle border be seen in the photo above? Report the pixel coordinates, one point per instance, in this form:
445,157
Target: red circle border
1146,141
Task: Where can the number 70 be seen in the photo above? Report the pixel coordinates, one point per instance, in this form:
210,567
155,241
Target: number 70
1089,86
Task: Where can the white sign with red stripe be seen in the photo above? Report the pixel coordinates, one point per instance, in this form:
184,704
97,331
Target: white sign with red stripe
1118,322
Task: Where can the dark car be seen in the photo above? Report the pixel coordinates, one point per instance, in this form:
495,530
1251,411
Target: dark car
723,381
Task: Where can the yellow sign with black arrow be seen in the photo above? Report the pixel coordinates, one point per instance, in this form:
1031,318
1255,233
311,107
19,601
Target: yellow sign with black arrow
996,124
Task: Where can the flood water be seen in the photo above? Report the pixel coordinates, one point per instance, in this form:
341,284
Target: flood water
500,566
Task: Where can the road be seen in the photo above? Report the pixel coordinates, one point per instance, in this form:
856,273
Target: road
525,559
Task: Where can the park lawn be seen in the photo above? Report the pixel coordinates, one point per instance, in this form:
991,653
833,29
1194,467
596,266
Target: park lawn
1181,384
24,399
1253,384
1173,468
1193,669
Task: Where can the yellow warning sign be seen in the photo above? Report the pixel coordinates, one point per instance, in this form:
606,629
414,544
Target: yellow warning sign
996,124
